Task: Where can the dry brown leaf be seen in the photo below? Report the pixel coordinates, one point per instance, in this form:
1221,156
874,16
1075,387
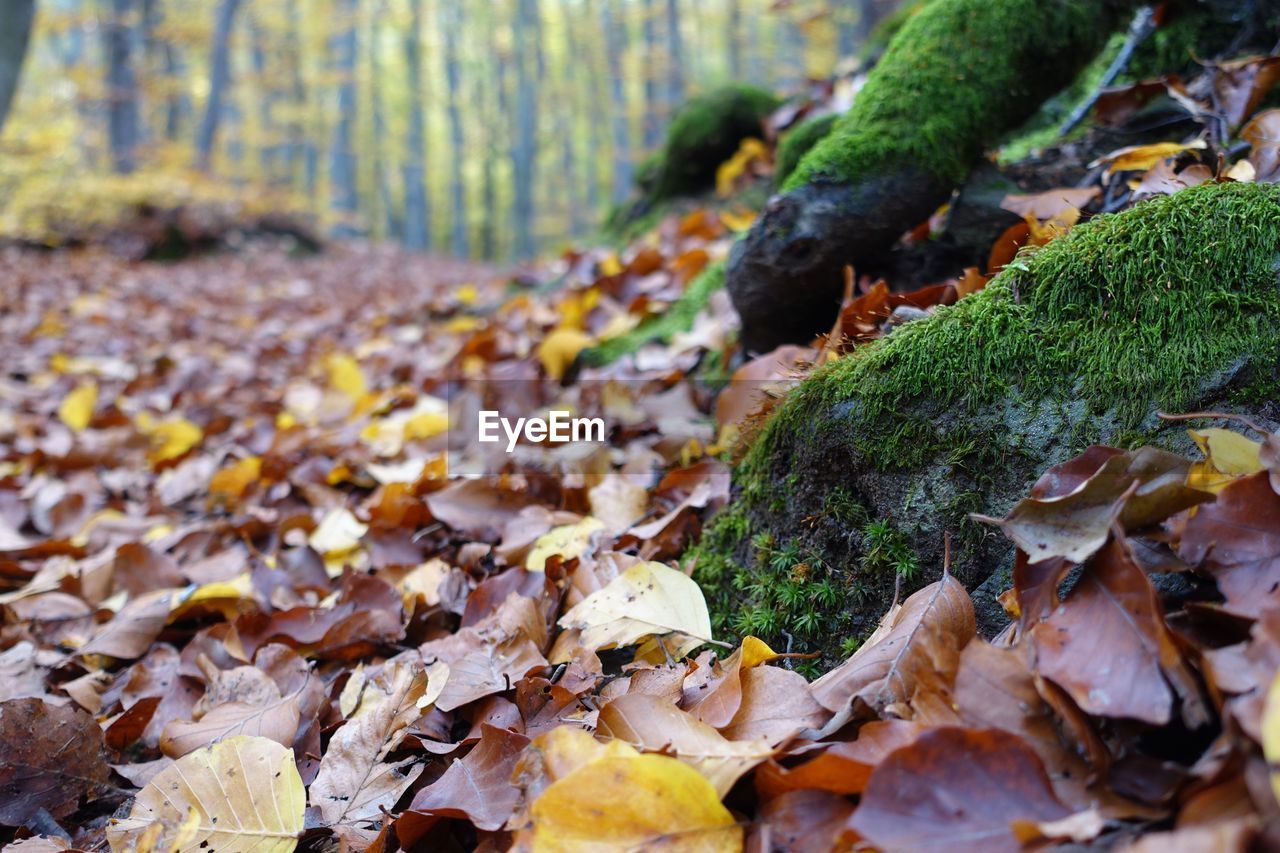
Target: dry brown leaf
244,793
924,634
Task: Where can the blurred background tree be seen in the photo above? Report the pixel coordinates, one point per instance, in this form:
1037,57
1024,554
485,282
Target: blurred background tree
482,128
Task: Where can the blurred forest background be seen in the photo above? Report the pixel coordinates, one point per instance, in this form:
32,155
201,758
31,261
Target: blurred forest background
486,129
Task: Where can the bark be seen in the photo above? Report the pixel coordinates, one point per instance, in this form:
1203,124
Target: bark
451,26
737,68
525,143
122,87
910,138
675,56
344,197
614,41
14,36
654,107
417,214
219,81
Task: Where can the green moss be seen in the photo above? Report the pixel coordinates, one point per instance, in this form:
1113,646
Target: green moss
958,75
1081,341
679,317
799,141
1133,309
705,132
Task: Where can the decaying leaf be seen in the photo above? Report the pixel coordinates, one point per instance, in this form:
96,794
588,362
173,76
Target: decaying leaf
633,801
955,789
356,781
923,635
245,793
50,757
655,725
647,599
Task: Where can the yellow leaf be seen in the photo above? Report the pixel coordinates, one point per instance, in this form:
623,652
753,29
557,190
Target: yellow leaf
568,541
755,652
1141,157
739,220
727,175
428,418
559,348
338,534
611,266
76,409
1228,456
346,376
170,439
245,791
646,599
655,725
1271,734
223,596
462,323
642,802
235,479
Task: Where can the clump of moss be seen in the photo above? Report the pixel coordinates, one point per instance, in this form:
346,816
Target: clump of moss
799,141
660,328
1131,309
1167,306
705,132
956,76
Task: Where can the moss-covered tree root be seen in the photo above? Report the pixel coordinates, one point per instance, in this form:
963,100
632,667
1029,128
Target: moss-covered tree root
959,75
1170,306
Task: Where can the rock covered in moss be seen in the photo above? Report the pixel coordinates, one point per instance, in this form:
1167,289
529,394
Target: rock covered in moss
705,132
1170,306
956,77
799,141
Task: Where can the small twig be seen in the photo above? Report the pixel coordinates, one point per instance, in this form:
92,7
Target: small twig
1196,416
1140,29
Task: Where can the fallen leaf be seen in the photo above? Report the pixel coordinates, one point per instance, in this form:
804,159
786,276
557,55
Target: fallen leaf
1108,647
478,787
955,789
355,781
245,793
1139,158
1236,540
653,724
50,757
559,349
646,599
924,634
633,802
76,409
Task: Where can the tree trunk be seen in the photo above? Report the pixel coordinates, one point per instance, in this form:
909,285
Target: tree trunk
496,109
615,41
344,196
737,69
391,225
525,143
417,213
122,87
654,106
219,80
17,15
451,29
302,149
675,57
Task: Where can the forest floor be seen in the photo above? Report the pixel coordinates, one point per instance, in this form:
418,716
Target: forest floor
250,598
